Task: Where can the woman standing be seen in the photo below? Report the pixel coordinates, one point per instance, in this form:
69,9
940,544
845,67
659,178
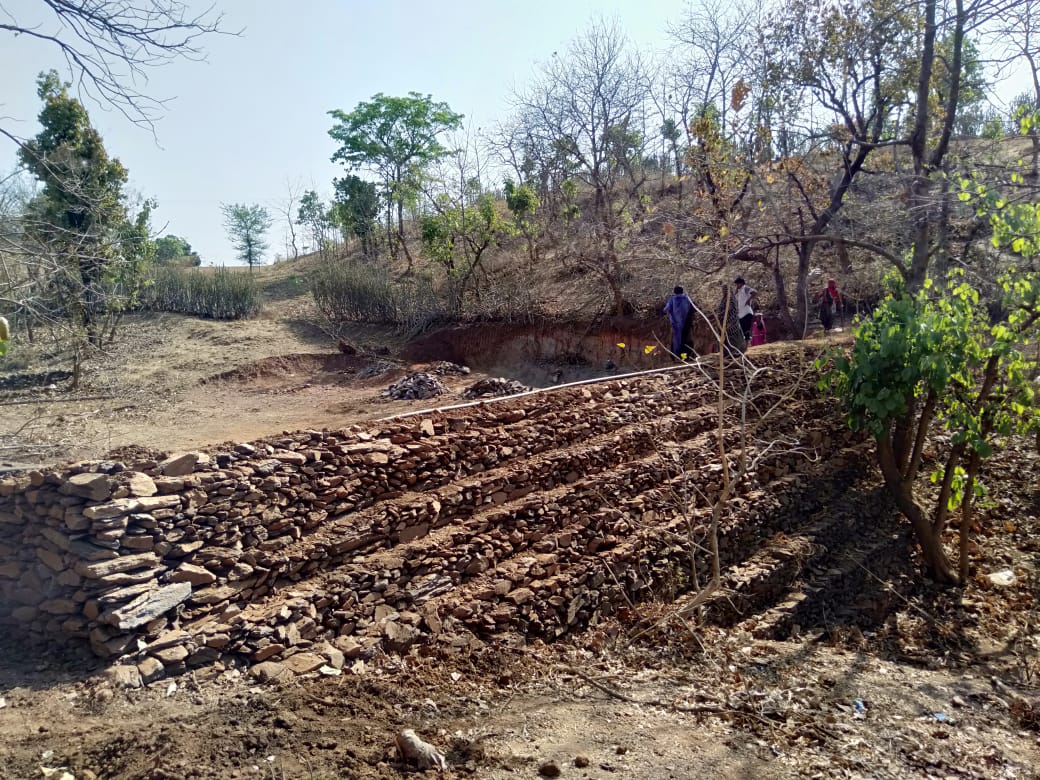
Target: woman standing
830,302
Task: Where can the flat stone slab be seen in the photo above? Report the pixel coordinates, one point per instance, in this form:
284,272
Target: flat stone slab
179,465
99,569
149,606
95,487
125,506
301,663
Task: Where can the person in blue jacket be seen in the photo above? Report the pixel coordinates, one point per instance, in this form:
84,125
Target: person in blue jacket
680,314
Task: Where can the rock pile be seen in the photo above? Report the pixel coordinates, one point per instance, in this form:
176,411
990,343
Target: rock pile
415,386
539,514
377,368
494,387
447,368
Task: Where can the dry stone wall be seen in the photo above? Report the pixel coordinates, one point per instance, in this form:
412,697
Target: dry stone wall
538,514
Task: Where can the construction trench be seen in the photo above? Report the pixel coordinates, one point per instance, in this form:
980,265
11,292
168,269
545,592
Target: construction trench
532,516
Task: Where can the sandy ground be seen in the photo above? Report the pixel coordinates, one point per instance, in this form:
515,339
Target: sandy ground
174,383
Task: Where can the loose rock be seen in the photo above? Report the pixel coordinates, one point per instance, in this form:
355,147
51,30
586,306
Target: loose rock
414,386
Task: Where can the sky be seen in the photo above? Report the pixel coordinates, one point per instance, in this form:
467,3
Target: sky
253,117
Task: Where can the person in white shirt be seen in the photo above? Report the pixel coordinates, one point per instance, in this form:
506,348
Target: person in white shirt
744,296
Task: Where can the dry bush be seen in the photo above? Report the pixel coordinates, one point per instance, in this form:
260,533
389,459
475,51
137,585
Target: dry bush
220,294
352,291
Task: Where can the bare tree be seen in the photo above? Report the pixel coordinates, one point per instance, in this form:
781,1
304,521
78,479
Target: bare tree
941,58
856,65
70,258
588,106
47,295
111,45
1019,32
288,209
711,39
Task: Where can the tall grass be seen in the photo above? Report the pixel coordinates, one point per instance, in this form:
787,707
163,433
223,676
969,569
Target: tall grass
218,293
363,292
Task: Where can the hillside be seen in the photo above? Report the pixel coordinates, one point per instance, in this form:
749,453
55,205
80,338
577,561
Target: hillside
241,379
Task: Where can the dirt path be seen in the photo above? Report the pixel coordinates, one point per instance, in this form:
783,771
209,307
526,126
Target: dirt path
816,711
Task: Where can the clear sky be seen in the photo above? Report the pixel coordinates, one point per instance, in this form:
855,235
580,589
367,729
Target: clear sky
254,115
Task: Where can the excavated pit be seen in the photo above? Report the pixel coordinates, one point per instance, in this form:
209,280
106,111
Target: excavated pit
533,516
547,354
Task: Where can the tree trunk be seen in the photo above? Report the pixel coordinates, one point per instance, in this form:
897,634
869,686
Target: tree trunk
781,296
801,323
407,253
936,561
616,290
965,525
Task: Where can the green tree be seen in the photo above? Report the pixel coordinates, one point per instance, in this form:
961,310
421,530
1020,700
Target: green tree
458,235
522,201
247,227
170,248
317,216
356,209
926,359
932,355
87,255
397,139
83,186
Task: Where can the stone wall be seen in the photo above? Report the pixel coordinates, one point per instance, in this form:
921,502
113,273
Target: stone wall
538,514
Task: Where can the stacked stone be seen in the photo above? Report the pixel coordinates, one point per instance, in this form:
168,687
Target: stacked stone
538,514
84,551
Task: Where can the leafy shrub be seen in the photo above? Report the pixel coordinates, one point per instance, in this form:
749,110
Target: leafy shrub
219,293
362,292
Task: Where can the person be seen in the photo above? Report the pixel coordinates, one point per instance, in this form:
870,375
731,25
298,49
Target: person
735,341
680,314
830,302
745,310
758,331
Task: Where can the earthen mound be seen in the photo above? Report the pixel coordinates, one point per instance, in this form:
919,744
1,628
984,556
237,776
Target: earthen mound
284,366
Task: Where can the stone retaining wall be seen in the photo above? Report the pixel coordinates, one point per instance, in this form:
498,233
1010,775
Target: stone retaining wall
539,514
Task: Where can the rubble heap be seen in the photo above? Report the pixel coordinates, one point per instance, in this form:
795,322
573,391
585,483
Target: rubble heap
494,387
447,368
539,514
376,368
415,386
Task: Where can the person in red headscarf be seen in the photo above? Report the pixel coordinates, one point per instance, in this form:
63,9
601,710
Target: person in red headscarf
758,331
830,303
